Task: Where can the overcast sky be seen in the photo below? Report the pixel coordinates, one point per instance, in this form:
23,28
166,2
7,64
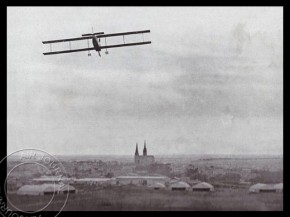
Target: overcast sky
211,82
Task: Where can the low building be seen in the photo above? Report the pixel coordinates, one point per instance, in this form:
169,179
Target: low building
52,179
157,186
92,181
279,187
140,180
170,181
260,187
256,188
268,188
34,190
45,189
203,186
179,186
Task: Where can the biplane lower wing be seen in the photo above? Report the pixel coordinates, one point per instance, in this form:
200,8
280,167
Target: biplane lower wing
68,39
102,47
124,45
69,51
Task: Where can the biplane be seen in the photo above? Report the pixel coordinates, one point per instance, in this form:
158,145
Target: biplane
96,42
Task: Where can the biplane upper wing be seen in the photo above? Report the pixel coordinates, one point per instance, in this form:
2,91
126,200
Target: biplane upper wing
87,36
122,33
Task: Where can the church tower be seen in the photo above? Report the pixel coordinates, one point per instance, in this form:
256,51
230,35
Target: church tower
137,157
145,149
136,151
143,161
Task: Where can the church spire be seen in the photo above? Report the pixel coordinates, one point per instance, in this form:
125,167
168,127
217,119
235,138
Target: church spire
136,151
145,149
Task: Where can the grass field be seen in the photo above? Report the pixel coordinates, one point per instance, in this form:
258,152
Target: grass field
136,198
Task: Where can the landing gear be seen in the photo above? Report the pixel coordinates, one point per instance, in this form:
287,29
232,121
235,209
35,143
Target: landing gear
99,53
107,52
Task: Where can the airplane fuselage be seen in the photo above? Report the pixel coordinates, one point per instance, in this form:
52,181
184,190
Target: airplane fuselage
96,43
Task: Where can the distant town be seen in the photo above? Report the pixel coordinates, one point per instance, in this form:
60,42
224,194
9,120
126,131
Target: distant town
144,171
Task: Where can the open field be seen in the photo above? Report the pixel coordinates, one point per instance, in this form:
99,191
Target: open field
136,198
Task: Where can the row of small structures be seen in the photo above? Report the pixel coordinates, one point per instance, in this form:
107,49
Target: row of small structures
48,185
49,189
183,186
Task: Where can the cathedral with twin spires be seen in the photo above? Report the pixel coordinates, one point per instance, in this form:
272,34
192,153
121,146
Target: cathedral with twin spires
143,160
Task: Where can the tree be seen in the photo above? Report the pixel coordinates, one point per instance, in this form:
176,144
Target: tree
227,178
265,176
109,175
194,173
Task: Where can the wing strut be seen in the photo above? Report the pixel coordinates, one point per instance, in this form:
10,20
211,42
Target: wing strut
106,52
89,53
